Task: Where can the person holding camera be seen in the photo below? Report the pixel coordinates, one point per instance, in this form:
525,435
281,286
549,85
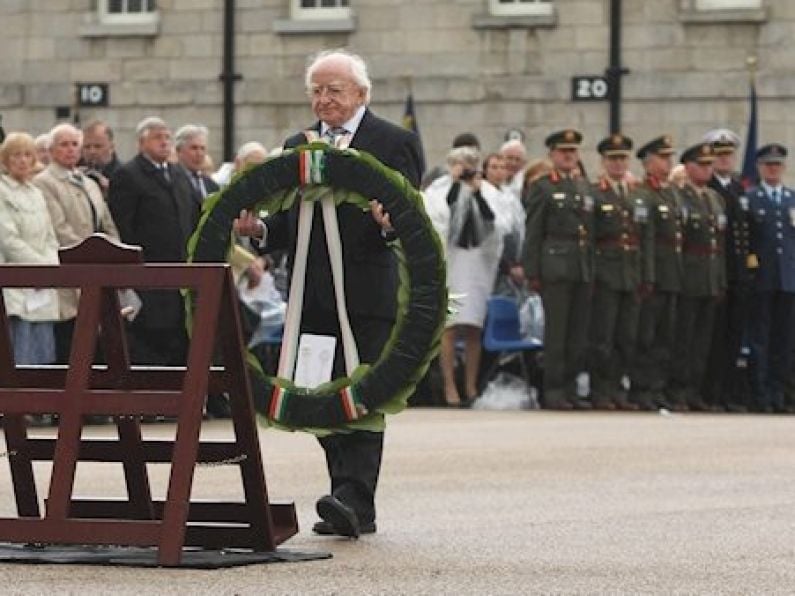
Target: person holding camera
462,207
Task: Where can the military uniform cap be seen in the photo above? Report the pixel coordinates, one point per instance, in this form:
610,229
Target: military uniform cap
663,145
564,139
772,153
615,144
701,153
723,140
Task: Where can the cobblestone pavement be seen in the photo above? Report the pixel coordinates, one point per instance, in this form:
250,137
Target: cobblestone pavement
505,503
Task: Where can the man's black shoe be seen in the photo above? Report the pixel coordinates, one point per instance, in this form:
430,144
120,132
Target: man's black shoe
338,515
323,528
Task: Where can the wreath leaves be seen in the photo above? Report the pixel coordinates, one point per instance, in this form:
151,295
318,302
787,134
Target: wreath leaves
377,389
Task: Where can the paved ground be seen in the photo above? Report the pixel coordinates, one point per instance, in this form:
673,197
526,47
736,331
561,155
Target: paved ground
509,503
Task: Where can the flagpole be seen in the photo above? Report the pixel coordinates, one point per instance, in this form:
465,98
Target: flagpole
749,173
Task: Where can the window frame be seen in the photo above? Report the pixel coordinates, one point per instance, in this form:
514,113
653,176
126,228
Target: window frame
318,13
711,5
521,9
114,18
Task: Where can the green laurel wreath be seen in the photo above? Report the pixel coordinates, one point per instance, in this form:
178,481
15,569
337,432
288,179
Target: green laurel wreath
359,402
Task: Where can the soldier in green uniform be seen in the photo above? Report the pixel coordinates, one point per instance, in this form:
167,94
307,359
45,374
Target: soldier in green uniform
624,271
656,327
704,279
559,263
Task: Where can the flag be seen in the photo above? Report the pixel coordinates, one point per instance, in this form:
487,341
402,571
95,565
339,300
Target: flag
409,118
410,123
749,174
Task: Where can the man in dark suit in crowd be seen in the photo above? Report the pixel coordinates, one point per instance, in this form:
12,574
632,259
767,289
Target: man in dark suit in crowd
99,160
727,384
154,206
339,88
772,306
191,145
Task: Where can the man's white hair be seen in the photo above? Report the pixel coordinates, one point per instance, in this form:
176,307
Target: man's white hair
147,125
513,144
356,63
59,129
188,132
247,149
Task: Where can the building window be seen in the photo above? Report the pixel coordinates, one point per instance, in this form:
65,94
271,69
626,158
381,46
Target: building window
320,9
728,4
520,7
127,11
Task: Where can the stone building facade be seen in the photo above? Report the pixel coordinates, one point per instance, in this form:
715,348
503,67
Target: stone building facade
484,66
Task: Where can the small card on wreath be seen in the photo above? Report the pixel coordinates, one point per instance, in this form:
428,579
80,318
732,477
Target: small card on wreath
315,360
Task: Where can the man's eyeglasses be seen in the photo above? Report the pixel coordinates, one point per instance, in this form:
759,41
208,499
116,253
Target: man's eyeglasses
331,91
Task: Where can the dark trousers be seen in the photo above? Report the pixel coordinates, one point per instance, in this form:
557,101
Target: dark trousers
164,346
771,342
567,308
655,342
353,459
614,330
694,326
63,330
725,382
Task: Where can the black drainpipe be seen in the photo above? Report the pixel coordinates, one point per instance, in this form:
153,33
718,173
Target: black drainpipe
615,71
228,78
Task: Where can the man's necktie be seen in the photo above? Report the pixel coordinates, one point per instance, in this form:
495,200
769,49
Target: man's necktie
334,135
164,170
198,184
776,197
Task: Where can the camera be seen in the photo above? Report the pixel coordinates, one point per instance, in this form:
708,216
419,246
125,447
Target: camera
468,174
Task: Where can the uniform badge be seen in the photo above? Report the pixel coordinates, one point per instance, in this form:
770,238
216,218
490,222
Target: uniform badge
558,196
587,203
607,207
760,212
744,203
641,213
722,221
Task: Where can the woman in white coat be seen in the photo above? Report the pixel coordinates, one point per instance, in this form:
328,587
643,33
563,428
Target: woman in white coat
26,237
464,210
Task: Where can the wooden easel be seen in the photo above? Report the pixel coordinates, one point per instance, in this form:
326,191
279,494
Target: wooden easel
99,268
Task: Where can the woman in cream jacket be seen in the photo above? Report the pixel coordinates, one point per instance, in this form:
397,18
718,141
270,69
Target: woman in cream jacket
26,237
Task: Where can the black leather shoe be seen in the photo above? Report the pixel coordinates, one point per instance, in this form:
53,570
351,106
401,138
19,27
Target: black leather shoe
338,515
323,528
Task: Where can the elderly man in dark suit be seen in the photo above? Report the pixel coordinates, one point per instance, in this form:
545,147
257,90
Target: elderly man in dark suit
339,88
154,206
190,142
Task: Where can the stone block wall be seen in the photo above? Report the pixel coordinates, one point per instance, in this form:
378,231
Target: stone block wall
687,74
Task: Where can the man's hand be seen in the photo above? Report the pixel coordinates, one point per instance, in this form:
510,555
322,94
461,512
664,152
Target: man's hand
380,216
255,271
248,225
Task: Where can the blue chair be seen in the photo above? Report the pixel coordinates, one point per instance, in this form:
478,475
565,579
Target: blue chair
501,336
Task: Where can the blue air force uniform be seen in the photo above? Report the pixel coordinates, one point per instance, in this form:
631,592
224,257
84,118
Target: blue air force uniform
772,211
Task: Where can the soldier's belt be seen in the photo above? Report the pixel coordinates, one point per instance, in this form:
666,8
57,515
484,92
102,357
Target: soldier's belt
673,243
631,243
